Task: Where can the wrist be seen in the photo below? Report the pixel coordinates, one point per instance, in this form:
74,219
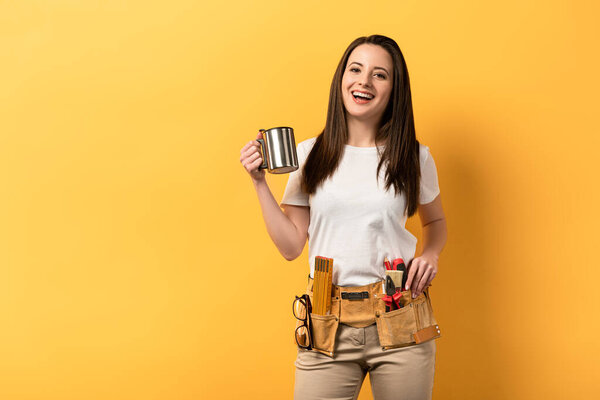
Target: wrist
259,182
431,254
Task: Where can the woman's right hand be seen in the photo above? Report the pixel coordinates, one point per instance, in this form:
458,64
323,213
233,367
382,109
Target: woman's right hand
251,159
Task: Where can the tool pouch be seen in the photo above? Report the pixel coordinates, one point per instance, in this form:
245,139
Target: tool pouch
324,327
414,323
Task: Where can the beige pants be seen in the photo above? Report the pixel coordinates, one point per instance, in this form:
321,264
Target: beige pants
404,373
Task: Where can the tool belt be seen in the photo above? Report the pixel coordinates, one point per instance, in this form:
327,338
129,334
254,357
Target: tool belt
361,306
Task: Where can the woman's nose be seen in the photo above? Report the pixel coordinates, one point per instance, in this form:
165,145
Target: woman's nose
365,80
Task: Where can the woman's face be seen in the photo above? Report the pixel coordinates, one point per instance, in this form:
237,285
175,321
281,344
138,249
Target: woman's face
368,71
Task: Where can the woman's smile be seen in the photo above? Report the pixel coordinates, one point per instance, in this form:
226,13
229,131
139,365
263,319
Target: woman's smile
362,97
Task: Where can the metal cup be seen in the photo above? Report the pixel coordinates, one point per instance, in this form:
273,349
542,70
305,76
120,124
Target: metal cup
278,150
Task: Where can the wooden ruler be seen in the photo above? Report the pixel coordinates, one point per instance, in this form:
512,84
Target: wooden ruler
322,285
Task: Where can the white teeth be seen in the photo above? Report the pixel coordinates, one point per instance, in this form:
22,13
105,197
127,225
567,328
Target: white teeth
366,96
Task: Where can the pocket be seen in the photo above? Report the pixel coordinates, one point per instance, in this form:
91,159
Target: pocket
396,328
427,327
324,329
414,323
424,314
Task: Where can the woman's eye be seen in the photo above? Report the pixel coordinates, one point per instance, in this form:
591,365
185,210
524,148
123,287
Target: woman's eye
356,69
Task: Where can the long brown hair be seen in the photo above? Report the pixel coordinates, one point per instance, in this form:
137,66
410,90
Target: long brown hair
397,130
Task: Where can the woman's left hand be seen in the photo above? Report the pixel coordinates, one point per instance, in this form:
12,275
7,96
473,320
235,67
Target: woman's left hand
421,271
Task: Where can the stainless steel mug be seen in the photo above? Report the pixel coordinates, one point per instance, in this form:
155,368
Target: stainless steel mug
278,150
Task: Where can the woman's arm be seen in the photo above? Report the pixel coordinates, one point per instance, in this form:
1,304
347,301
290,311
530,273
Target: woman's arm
288,228
434,227
423,268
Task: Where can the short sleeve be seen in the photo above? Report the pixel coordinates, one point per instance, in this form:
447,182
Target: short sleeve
429,178
293,193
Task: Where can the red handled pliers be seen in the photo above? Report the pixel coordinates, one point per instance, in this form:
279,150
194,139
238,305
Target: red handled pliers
393,293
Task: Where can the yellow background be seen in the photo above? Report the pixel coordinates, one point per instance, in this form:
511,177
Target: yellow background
134,261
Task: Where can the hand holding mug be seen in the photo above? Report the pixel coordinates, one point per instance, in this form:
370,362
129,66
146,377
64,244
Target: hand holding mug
251,158
274,150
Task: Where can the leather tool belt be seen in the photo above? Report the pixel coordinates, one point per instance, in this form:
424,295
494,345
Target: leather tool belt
361,306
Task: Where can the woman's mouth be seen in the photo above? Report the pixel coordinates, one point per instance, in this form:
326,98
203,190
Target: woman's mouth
362,97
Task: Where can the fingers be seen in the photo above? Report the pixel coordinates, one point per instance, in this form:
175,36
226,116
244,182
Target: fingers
251,148
252,162
246,147
420,274
251,143
412,268
251,157
423,282
249,152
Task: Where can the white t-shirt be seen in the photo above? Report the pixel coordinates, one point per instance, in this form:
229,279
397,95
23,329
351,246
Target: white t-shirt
353,219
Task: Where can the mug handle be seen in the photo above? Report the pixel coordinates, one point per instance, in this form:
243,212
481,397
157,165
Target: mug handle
263,151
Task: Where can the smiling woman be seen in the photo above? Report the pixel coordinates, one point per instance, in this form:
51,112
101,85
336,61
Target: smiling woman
374,66
357,183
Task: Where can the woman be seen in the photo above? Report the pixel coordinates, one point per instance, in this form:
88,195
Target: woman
358,182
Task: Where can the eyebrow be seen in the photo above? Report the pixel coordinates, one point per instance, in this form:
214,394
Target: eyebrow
355,62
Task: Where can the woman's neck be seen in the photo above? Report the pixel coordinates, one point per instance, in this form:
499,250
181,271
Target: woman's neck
361,133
